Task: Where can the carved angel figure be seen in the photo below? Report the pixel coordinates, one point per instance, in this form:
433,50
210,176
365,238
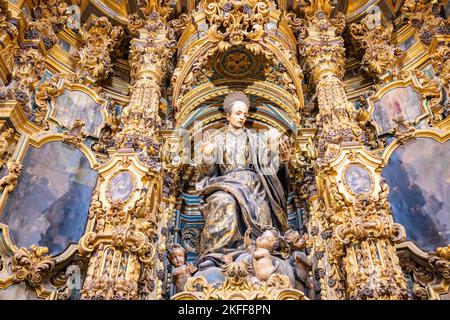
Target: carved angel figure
181,271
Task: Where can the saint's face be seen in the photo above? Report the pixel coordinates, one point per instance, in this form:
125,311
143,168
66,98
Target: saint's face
239,114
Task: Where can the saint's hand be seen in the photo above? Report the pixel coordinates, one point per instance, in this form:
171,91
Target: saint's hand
285,150
208,147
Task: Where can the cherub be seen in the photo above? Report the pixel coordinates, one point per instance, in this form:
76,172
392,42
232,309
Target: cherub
263,263
301,262
8,182
4,143
181,271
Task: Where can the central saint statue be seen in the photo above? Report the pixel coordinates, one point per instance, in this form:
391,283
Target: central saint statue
243,179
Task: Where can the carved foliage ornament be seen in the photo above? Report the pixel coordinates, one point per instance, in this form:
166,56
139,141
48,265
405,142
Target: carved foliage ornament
429,91
441,64
32,265
45,91
76,135
362,240
5,140
379,56
94,59
50,17
233,22
8,182
425,15
7,29
28,68
237,285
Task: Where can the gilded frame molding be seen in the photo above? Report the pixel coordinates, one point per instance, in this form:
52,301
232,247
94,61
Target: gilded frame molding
441,137
410,81
355,155
71,86
18,156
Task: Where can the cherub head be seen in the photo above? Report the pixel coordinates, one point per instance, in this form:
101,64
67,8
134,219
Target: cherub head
177,255
270,240
294,239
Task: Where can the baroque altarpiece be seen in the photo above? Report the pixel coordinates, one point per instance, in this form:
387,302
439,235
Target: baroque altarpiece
109,110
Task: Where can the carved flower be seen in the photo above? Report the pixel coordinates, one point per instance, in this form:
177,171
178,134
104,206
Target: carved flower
236,38
151,285
21,96
320,15
48,43
227,7
3,95
248,10
426,36
416,23
152,27
154,15
32,34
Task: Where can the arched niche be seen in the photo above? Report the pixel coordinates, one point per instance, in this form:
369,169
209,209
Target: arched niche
264,115
49,205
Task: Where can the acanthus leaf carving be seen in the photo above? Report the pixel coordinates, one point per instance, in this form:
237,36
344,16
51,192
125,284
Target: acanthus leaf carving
380,56
238,285
32,265
27,69
426,17
233,23
49,17
94,58
45,91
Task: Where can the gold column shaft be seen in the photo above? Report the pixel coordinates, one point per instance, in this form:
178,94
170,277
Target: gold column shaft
351,235
127,262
